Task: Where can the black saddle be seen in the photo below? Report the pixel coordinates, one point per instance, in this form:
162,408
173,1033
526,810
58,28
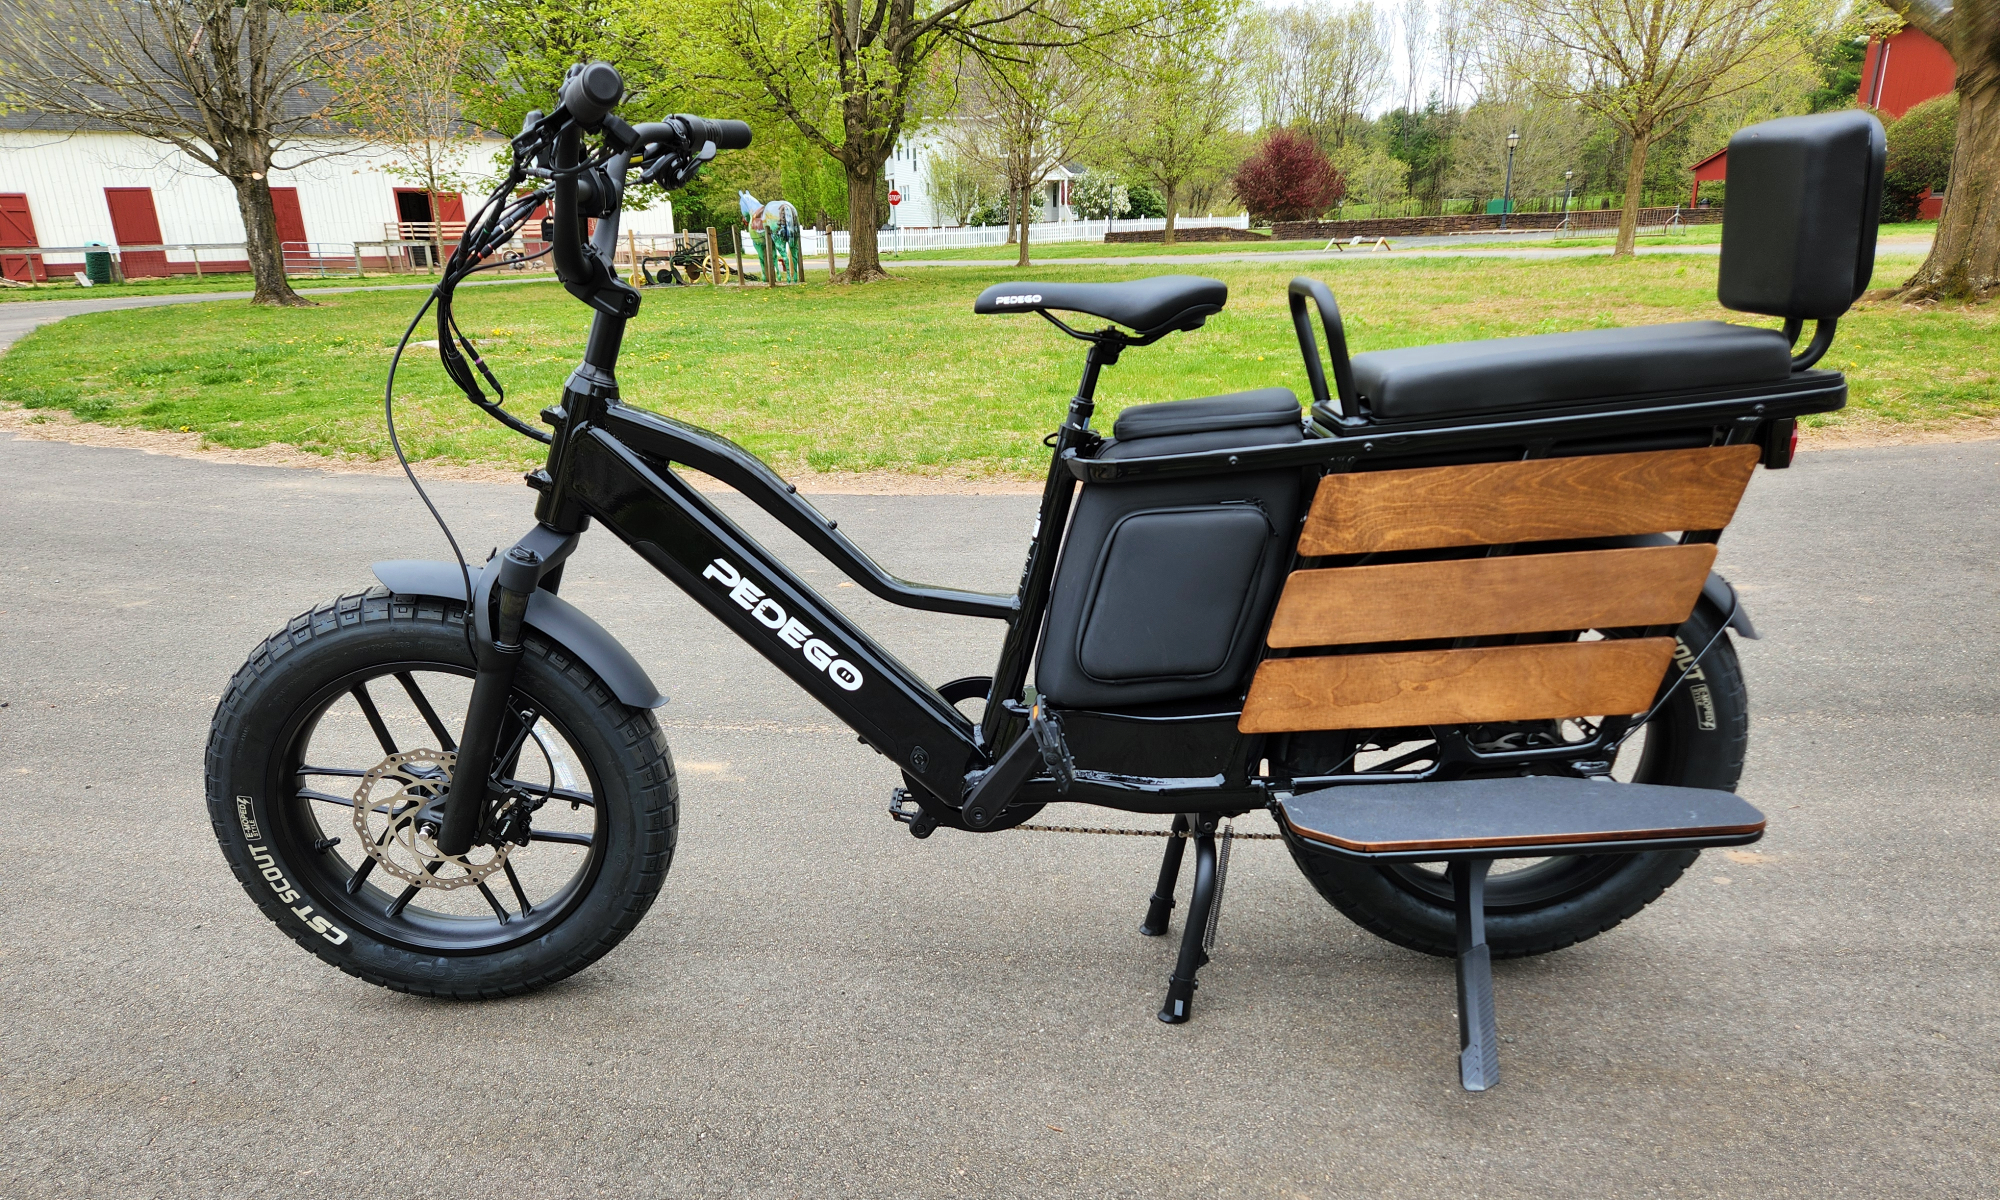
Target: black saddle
1149,307
1560,368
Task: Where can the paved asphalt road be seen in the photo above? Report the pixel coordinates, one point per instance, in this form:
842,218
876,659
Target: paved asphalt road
822,1006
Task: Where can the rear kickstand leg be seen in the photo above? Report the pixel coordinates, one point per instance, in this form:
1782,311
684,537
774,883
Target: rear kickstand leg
1181,985
1170,873
1478,1034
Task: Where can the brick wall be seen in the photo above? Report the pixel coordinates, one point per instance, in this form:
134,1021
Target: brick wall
1374,227
1201,234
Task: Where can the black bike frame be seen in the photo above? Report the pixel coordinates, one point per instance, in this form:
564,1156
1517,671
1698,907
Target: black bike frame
615,464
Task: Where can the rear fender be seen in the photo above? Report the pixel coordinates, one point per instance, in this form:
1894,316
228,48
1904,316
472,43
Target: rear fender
552,616
1720,597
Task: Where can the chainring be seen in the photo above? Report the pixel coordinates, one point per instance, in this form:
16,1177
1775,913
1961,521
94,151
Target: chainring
387,824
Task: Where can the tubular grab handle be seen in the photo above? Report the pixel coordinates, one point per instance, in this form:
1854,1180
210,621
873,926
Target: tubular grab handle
1336,344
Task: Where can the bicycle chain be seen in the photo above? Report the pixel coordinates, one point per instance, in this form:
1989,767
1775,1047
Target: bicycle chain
1158,833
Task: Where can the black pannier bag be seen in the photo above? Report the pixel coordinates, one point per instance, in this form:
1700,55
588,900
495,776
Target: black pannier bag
1164,589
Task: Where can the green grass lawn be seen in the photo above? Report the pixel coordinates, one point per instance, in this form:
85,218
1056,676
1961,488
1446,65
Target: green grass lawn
897,376
185,284
1038,252
1694,235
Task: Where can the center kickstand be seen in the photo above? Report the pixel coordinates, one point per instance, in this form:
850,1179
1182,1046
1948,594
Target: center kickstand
1203,913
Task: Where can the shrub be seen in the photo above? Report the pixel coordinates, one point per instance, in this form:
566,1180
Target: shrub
1097,196
1920,148
1287,178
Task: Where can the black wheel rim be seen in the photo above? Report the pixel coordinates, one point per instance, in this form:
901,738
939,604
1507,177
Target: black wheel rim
402,707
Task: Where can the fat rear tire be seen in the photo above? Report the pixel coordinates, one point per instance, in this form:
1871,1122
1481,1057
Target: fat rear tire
1588,894
251,760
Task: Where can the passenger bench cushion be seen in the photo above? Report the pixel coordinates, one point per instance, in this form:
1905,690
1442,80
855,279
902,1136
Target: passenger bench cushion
1567,368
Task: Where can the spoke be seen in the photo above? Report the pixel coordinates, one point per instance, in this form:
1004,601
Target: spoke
360,875
324,798
498,910
345,772
409,893
520,893
430,716
361,697
536,789
557,835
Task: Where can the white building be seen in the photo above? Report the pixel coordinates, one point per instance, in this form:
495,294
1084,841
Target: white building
908,172
71,187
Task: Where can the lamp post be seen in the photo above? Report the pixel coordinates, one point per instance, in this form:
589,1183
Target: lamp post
1507,194
1568,190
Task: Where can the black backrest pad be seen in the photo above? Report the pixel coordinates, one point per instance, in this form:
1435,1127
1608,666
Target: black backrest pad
1798,232
1164,589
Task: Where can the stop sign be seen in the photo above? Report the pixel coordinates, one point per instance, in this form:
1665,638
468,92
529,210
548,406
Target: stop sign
895,197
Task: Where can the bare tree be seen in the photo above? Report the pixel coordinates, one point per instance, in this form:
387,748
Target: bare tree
399,89
1413,21
232,84
1455,42
1964,261
1645,65
1318,68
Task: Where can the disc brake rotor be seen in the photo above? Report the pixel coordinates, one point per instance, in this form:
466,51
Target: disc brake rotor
387,805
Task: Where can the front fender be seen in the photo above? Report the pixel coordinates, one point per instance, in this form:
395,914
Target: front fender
552,616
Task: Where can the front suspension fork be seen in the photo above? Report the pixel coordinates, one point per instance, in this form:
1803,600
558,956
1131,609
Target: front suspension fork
499,658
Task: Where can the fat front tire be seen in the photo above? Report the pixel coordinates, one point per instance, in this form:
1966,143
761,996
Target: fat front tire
367,692
1699,739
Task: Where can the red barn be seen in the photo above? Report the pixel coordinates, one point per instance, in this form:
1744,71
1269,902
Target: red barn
1903,71
1900,72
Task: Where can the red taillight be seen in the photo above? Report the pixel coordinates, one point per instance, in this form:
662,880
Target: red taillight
1781,442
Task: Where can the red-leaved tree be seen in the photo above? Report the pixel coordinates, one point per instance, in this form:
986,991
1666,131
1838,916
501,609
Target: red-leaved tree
1288,179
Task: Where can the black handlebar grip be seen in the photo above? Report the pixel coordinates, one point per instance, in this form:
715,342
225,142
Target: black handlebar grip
731,135
592,92
727,135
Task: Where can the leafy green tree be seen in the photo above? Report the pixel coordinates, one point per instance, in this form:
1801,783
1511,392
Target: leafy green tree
1920,147
523,51
1180,102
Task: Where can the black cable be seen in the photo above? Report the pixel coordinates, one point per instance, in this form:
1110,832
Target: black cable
396,444
1735,604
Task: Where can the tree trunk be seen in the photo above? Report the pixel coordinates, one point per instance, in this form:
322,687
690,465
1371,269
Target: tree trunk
1964,262
1022,261
1007,205
261,245
1173,200
1635,181
864,261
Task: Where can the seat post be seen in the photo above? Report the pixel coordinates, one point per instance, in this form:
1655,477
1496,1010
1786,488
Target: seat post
1104,350
1478,1034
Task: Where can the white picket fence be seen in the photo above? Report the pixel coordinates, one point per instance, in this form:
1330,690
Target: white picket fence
897,240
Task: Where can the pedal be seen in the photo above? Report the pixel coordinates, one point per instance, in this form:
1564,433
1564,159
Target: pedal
1047,729
905,808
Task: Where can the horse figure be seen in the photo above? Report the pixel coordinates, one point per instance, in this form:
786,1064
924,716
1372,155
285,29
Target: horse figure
781,219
